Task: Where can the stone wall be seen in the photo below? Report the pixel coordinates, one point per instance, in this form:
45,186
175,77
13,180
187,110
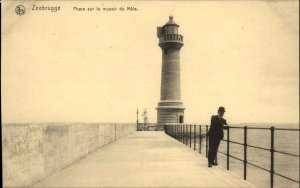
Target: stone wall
31,152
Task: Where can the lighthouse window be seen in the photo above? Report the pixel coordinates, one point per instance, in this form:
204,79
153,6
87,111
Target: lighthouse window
170,30
175,31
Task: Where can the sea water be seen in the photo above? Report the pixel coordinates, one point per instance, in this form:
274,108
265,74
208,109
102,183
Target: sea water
284,140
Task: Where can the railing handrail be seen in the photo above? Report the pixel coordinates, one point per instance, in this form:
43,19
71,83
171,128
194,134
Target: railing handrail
183,137
265,128
261,148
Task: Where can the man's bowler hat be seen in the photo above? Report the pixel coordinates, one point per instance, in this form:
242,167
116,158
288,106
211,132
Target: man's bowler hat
221,109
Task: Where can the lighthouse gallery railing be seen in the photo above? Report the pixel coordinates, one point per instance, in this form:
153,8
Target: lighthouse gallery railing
184,134
171,37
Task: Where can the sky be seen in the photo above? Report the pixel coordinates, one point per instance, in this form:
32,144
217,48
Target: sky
72,66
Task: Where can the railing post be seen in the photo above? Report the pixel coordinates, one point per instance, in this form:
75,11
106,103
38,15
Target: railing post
245,152
180,133
272,157
228,147
183,134
190,136
178,129
175,131
200,139
177,135
165,129
186,135
195,138
206,138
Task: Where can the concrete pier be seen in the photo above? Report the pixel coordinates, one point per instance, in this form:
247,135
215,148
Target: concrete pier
143,159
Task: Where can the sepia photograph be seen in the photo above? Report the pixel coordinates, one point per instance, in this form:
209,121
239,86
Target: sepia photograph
150,93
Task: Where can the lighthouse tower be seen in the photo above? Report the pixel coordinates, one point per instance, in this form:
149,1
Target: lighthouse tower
170,108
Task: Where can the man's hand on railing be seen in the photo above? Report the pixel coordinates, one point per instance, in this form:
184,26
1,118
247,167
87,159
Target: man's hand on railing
225,127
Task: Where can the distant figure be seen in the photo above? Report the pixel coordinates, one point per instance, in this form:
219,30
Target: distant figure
216,134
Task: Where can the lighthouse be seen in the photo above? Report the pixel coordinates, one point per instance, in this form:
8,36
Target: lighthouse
170,108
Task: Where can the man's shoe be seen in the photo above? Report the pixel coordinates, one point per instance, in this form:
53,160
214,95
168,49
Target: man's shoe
216,164
209,165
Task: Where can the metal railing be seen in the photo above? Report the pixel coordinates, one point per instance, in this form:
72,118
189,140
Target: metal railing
183,133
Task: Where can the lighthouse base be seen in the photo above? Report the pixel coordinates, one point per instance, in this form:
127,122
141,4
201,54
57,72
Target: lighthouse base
169,112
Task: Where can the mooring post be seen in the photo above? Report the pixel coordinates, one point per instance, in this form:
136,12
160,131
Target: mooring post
272,157
245,152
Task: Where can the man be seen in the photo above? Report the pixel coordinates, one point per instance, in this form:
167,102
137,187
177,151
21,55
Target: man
216,134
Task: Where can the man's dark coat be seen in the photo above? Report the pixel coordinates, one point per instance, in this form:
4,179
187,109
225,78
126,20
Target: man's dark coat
216,127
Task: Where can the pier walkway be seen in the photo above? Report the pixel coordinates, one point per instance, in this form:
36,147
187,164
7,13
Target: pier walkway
143,159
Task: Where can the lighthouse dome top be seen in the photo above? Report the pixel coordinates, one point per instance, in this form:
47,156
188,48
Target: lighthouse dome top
171,22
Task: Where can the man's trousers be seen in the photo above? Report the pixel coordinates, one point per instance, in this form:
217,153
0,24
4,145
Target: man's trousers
213,149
